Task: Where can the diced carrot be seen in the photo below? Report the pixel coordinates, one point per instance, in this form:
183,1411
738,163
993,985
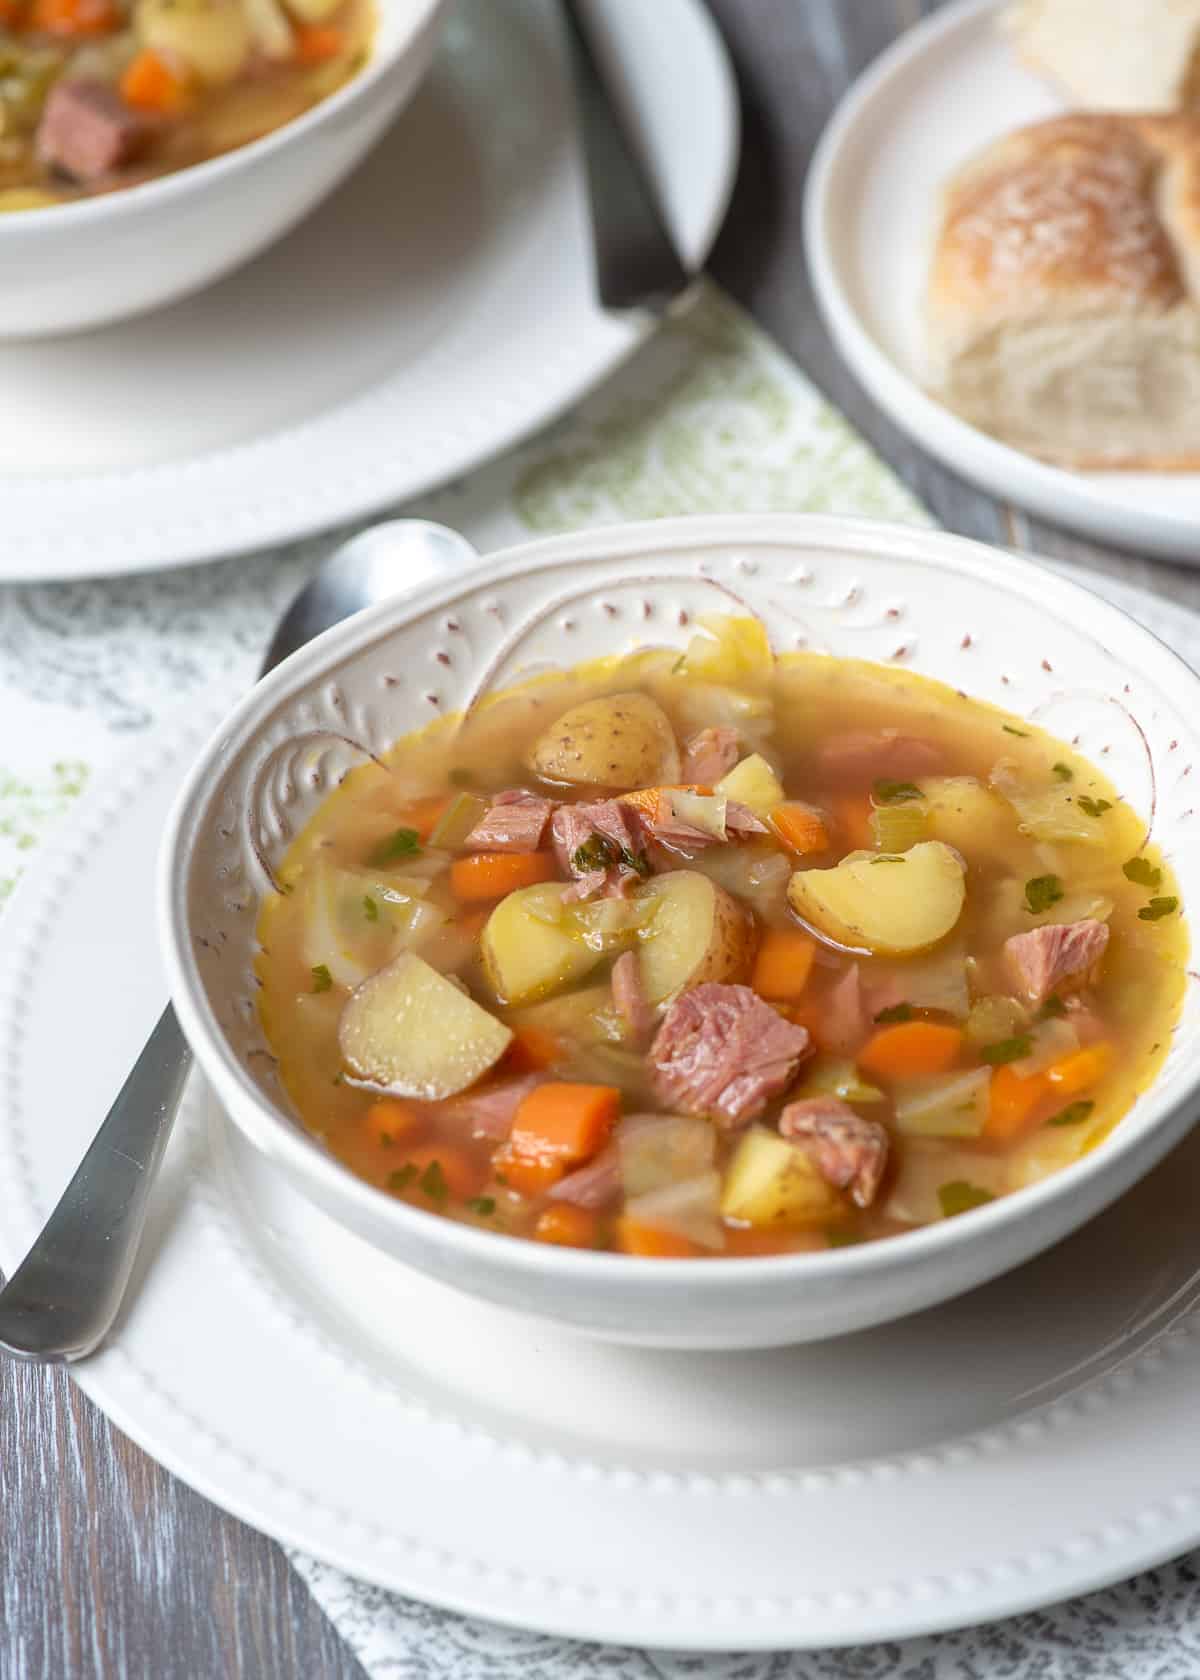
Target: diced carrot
388,1121
461,1173
561,1121
486,875
783,963
800,827
75,17
317,42
528,1175
853,814
1081,1070
532,1049
651,1243
1013,1103
567,1226
759,1239
151,84
910,1048
808,1013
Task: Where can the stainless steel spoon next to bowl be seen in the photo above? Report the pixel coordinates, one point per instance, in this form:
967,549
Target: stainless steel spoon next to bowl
62,1300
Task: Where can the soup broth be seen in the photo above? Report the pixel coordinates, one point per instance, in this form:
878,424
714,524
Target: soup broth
720,955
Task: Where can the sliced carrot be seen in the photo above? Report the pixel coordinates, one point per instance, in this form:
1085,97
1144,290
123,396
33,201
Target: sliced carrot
561,1121
460,1172
910,1049
1013,1103
317,42
800,827
567,1226
528,1175
12,13
388,1121
650,1243
783,963
487,875
532,1049
75,17
1081,1070
151,84
853,814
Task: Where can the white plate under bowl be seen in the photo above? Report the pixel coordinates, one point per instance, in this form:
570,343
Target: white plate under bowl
1027,1442
944,91
436,309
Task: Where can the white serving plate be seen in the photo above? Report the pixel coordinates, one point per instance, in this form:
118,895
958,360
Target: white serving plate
1030,1441
992,624
117,255
436,309
943,91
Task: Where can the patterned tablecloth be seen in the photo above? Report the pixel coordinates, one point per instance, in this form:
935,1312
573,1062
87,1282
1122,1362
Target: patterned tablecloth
710,416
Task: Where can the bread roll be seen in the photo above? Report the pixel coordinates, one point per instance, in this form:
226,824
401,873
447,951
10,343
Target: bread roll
1063,294
1113,55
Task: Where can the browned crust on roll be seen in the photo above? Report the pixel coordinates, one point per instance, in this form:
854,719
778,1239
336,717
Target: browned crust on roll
1083,216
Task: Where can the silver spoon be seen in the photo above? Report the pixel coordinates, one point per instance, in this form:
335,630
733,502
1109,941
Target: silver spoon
62,1300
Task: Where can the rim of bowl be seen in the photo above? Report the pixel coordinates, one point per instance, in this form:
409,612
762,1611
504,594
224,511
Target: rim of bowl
384,57
939,550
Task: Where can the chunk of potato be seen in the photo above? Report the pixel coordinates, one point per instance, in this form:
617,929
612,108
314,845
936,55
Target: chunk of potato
886,904
413,1033
212,37
617,741
698,932
530,949
584,1017
754,784
963,813
1052,812
313,11
773,1182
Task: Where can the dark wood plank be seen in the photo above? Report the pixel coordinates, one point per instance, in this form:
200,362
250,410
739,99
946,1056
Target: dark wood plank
109,1566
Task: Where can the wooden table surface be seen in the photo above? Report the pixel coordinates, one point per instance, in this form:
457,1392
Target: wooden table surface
108,1565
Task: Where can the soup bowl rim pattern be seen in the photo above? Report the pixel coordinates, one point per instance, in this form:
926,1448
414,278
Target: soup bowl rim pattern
715,1303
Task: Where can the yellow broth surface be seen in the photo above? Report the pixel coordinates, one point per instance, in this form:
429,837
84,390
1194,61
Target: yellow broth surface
905,834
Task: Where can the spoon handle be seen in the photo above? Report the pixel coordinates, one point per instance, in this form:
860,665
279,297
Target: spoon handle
61,1301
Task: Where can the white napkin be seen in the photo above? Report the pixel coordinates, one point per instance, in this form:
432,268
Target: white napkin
711,416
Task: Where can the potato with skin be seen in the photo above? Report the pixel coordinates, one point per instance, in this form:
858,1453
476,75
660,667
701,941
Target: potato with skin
412,1033
772,1182
530,948
698,932
622,741
889,904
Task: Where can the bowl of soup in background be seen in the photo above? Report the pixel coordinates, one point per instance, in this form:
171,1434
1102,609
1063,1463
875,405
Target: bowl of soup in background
95,260
996,627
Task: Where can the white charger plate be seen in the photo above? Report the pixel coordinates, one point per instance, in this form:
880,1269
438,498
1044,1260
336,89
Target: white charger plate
435,310
1023,1444
940,94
